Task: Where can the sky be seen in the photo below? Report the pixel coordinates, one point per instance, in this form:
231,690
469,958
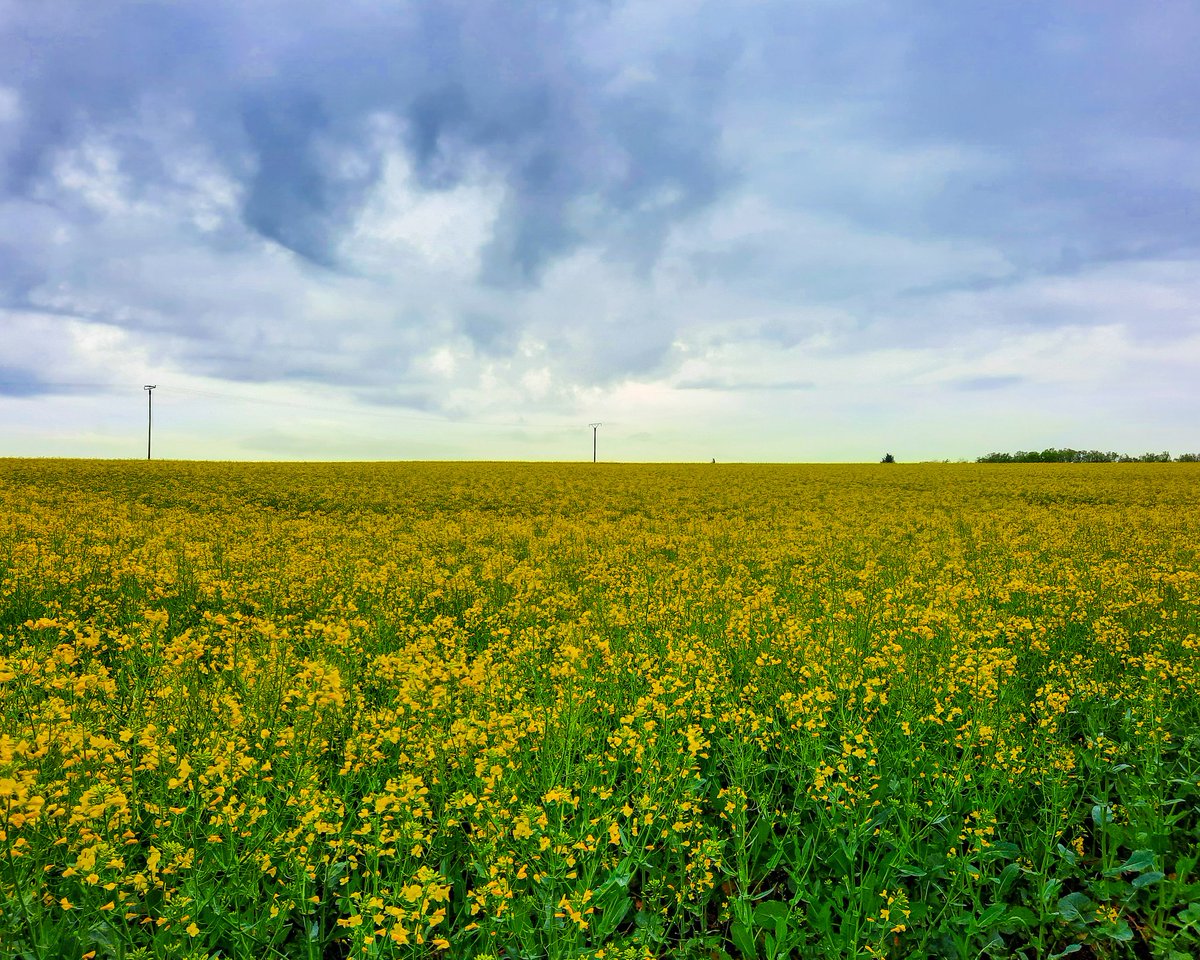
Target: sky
806,230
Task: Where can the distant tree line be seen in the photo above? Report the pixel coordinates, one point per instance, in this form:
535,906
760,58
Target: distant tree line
1067,455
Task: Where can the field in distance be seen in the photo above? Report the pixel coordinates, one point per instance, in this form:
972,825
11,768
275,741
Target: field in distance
619,711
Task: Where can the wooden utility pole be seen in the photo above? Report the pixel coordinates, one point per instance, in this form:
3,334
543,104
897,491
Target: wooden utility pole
595,427
149,388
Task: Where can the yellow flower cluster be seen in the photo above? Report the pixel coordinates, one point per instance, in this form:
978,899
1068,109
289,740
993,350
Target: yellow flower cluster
545,709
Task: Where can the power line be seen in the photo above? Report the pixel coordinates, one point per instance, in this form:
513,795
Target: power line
368,411
177,392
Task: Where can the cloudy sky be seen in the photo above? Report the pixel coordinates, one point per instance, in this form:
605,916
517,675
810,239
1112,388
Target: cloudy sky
797,230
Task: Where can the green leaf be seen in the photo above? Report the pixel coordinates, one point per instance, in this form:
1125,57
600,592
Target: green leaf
1019,918
101,934
779,851
991,915
743,940
770,912
1008,876
1075,907
1190,914
1146,879
1001,850
1121,932
611,915
1139,860
1066,951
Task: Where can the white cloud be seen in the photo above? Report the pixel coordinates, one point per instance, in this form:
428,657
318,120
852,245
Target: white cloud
10,104
445,231
773,234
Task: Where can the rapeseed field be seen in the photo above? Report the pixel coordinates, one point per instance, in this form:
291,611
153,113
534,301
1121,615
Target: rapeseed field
552,711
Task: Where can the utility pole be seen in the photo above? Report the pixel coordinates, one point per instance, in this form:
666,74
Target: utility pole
595,427
149,388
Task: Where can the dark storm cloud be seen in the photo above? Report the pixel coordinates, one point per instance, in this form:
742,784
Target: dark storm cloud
1031,128
17,382
284,96
80,66
490,334
987,383
294,198
20,273
1089,107
251,190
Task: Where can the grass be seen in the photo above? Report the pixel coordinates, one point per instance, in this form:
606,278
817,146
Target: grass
528,711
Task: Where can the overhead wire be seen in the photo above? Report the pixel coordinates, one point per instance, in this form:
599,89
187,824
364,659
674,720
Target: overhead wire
169,391
366,410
